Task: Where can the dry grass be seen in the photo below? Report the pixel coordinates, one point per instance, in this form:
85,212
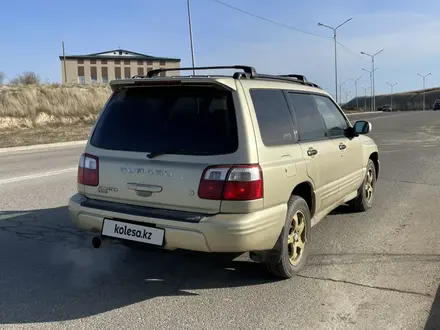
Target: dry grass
41,105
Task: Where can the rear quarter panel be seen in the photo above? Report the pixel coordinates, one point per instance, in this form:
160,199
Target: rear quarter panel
283,166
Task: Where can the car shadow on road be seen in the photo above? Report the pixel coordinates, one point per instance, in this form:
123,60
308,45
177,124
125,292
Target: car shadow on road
50,272
433,322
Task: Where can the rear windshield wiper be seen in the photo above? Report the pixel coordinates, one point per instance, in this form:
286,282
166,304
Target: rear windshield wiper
176,152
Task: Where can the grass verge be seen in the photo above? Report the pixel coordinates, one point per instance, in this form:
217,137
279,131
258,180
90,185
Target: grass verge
42,135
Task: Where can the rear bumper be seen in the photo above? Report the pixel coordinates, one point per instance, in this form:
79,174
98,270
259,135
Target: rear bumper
217,233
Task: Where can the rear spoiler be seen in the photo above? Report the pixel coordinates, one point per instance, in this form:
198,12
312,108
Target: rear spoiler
221,83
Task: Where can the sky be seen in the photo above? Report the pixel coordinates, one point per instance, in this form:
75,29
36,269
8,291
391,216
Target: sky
407,30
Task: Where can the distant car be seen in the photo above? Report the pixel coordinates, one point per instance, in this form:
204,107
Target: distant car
436,105
385,108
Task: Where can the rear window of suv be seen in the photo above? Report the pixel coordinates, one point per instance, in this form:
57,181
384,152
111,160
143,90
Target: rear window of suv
181,120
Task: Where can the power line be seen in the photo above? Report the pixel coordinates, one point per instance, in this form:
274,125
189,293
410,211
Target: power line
269,20
350,51
285,26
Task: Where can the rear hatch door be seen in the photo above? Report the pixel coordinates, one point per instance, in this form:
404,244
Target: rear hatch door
154,142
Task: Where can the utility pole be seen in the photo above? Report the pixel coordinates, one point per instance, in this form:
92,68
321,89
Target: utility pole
392,86
371,84
336,59
365,98
191,35
64,62
372,70
424,78
340,92
356,90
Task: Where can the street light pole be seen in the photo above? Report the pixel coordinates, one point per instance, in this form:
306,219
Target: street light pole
191,35
392,86
371,84
424,77
356,90
365,98
372,70
340,92
336,59
346,98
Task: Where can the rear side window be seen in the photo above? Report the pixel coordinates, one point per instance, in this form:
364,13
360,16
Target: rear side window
308,118
181,120
273,116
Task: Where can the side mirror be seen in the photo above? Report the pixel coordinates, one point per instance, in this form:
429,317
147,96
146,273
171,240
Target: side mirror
362,127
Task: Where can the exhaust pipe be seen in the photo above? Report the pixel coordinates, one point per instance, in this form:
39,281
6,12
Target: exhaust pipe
98,241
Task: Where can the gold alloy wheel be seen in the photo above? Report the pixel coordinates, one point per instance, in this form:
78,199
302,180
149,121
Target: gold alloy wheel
369,186
296,239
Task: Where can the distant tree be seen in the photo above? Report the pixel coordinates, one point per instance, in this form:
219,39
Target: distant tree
26,78
2,77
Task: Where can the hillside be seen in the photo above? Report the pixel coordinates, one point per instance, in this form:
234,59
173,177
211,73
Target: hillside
41,105
48,113
406,101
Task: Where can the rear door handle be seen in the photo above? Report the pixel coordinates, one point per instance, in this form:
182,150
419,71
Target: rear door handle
342,146
312,152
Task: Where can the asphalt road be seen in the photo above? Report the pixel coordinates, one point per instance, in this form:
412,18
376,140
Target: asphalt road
375,270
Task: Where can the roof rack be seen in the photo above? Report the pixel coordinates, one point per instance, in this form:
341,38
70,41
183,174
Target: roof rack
247,69
249,72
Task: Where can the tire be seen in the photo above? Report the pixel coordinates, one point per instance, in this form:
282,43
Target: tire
365,197
282,266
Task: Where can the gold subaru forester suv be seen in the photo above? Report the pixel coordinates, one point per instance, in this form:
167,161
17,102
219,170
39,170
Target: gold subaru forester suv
245,162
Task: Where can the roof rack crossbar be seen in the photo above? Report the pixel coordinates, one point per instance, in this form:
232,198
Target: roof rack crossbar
296,76
247,69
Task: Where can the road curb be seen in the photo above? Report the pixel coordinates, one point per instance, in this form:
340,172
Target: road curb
361,113
43,146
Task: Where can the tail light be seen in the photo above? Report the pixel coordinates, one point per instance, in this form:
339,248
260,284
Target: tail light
88,170
234,183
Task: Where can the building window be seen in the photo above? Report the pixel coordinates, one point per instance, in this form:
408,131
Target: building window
127,62
81,75
140,62
94,74
162,63
118,73
92,61
117,62
80,61
104,74
140,71
162,74
103,61
127,72
149,62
